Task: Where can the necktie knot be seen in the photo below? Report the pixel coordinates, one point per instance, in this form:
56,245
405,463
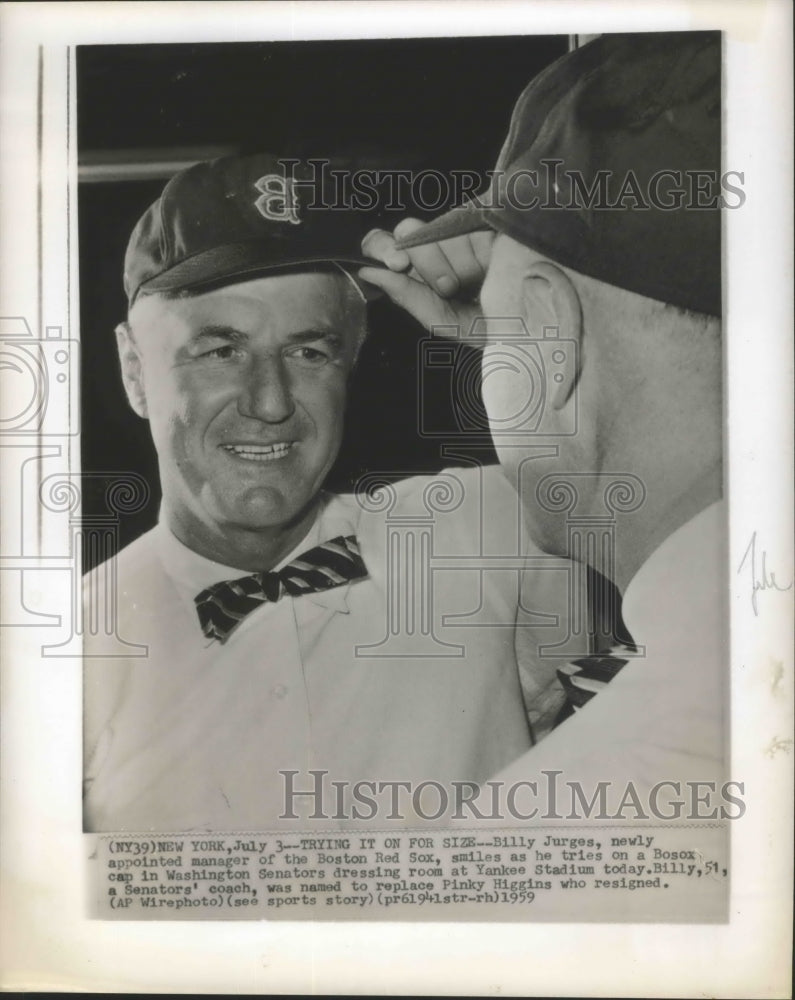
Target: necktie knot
270,584
222,606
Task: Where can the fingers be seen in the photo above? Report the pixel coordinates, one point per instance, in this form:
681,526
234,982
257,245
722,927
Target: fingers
448,267
481,243
453,267
380,245
410,294
431,263
468,268
436,283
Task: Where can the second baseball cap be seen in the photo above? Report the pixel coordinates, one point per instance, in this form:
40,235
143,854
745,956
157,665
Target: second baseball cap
611,167
233,219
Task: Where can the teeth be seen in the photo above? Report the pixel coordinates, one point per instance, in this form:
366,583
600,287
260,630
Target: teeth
259,453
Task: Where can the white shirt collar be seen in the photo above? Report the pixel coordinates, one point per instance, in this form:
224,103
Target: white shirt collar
192,572
680,579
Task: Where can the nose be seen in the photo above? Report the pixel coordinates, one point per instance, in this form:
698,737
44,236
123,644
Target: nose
265,393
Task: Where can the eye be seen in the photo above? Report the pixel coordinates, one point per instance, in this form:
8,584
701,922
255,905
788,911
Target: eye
310,356
223,353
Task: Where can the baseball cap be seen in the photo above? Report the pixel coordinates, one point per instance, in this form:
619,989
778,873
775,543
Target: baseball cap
234,219
611,167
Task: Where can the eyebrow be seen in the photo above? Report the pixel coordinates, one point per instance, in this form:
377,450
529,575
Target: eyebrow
233,335
218,332
308,336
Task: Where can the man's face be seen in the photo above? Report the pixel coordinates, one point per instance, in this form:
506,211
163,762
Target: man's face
244,388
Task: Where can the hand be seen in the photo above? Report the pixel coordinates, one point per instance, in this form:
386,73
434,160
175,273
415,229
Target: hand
437,284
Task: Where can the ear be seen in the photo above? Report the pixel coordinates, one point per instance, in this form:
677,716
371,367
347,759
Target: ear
553,311
131,369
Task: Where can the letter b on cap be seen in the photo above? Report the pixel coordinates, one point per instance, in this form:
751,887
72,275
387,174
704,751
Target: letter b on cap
277,201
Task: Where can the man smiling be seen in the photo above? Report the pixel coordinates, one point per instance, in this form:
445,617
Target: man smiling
258,606
244,389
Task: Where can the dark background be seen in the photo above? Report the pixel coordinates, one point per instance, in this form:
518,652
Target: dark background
411,104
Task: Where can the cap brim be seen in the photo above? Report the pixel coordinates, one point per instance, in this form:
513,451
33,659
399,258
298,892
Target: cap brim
467,218
237,262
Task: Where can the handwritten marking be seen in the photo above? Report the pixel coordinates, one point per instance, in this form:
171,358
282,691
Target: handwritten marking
761,578
777,744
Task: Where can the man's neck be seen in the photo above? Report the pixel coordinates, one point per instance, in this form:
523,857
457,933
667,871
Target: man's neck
250,549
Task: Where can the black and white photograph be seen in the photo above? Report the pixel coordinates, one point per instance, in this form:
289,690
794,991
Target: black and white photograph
390,540
362,658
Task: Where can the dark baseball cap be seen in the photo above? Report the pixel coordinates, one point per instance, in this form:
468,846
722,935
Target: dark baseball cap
611,167
237,218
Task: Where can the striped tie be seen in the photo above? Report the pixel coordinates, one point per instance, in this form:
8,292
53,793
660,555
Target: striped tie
224,605
612,643
587,676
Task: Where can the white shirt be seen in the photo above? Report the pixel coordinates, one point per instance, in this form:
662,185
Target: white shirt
193,736
662,716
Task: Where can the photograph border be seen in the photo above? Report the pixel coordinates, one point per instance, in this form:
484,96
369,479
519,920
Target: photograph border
48,940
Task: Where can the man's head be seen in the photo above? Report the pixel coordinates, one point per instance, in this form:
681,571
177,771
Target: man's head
606,203
639,393
242,332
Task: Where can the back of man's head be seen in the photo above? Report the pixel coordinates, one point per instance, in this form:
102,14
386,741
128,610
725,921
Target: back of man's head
606,200
611,167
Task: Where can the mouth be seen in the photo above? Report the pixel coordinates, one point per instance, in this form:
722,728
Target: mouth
260,452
